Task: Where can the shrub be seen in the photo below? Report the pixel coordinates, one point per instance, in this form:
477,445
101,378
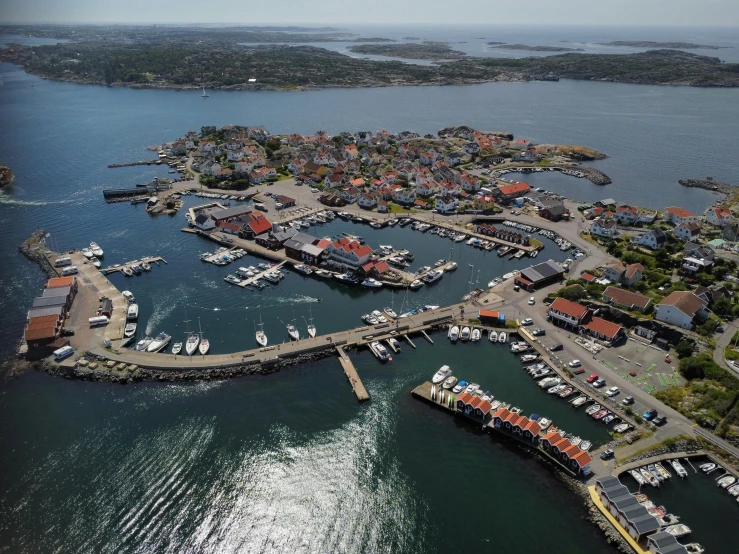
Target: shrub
684,349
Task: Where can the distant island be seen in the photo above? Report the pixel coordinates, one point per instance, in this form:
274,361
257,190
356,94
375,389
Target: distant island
653,44
425,51
373,39
228,59
411,38
527,48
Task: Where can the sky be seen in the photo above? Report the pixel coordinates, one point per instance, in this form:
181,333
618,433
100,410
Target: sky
690,13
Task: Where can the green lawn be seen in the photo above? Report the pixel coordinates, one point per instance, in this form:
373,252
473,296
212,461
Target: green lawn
397,209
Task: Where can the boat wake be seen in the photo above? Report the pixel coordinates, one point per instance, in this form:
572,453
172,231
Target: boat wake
164,305
10,201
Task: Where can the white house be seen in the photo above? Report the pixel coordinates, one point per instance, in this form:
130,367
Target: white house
720,217
676,215
603,228
235,155
427,189
687,231
350,194
348,253
681,308
653,239
204,222
209,168
405,196
446,203
367,201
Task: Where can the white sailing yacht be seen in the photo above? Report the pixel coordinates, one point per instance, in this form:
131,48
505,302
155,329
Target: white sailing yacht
204,344
292,330
260,336
205,94
191,344
311,327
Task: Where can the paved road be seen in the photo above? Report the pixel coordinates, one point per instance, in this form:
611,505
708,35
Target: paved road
724,340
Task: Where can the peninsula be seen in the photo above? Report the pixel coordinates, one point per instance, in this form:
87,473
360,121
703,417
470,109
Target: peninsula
425,51
527,48
654,44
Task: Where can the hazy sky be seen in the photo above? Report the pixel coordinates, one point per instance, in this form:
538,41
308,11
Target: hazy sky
405,12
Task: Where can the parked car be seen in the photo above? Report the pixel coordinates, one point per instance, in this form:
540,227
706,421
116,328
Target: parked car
608,453
628,401
532,301
598,383
556,347
576,363
649,415
538,332
592,378
314,189
527,321
613,391
659,420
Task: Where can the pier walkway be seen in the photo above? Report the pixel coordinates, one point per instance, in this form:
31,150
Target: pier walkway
470,233
129,265
251,280
351,373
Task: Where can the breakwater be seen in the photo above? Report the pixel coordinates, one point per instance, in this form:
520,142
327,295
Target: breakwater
595,176
709,184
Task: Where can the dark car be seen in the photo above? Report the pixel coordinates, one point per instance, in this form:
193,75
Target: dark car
627,401
539,332
659,420
606,454
649,415
556,347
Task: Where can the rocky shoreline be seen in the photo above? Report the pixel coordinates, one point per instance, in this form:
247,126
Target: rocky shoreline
595,176
710,184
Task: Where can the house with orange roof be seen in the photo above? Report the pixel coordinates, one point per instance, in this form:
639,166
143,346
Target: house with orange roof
508,193
720,217
676,216
567,312
499,416
347,253
604,330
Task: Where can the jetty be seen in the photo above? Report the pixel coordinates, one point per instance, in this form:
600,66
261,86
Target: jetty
470,233
351,373
251,280
119,267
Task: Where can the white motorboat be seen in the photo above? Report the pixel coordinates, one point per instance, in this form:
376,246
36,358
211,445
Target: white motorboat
176,348
129,330
159,343
441,375
726,481
526,358
454,333
592,409
465,334
87,253
475,335
579,401
394,344
96,250
502,337
549,382
133,311
472,388
585,446
304,269
544,423
372,283
191,344
128,295
708,467
146,266
638,477
662,471
416,284
143,344
347,278
678,530
204,346
651,479
694,548
450,382
493,336
555,389
433,276
95,262
390,312
377,314
380,351
451,267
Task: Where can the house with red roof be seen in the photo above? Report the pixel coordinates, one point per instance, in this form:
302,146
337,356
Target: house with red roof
347,253
720,217
676,216
509,193
604,330
567,312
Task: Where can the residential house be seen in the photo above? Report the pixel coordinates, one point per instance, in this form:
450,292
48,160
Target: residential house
682,309
350,194
691,265
604,330
348,253
654,239
506,234
235,155
555,212
427,189
720,217
687,231
626,299
568,313
446,204
520,144
508,193
627,215
334,181
382,207
367,201
603,228
530,156
454,158
695,250
616,272
676,216
405,197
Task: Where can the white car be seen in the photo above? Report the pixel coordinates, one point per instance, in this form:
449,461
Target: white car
613,391
532,301
314,189
574,363
527,321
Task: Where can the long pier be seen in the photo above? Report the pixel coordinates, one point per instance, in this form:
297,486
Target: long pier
251,280
129,265
470,233
351,373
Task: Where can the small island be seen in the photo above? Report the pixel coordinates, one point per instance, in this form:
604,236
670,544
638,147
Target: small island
425,51
655,44
372,39
526,48
411,38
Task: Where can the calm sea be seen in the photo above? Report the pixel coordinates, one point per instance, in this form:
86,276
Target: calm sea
290,462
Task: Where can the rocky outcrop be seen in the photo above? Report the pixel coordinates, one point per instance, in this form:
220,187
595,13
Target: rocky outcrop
465,132
595,176
709,184
34,248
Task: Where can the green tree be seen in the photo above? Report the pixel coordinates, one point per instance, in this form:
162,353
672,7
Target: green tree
684,349
722,306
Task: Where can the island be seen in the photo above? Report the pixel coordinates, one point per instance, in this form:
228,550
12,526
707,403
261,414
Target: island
527,48
242,59
372,39
425,51
6,175
654,44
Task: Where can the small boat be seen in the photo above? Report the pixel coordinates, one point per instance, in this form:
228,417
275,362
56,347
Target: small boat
145,266
653,470
159,343
393,342
677,531
96,250
433,276
502,337
450,382
651,479
555,389
544,423
143,344
592,409
95,262
585,446
293,332
694,548
390,312
662,471
377,314
565,392
708,467
451,267
638,477
136,268
493,336
441,375
726,481
465,334
260,336
579,401
130,329
733,490
472,388
133,311
416,284
191,344
475,334
128,295
380,351
232,279
176,348
459,387
608,418
304,269
454,333
621,427
600,414
681,471
87,253
372,283
529,358
204,347
311,326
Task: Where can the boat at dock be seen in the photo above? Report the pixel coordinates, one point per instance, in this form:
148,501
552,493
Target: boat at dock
87,253
679,469
390,312
441,375
475,335
465,334
260,336
191,344
453,333
159,342
638,477
380,351
133,311
311,328
371,283
493,336
130,329
502,337
143,344
304,269
96,250
127,271
377,314
416,284
204,346
708,467
726,481
592,409
128,295
678,530
450,382
433,276
662,471
579,401
176,348
648,477
347,278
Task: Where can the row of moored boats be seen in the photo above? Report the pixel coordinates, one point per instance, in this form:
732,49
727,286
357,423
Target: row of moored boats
474,334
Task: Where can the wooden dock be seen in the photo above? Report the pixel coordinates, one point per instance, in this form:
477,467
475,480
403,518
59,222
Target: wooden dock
145,259
351,373
251,280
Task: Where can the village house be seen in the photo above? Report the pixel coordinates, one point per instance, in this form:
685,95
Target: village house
506,234
427,189
626,299
560,448
405,197
603,228
508,193
348,253
687,231
676,216
445,204
696,250
654,239
235,155
627,215
604,330
367,201
382,206
682,309
627,275
567,313
350,194
555,212
529,156
334,181
719,217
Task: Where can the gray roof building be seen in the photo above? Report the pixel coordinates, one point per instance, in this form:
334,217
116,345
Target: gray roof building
42,302
46,310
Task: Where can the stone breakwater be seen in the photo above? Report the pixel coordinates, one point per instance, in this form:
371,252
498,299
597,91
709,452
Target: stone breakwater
595,176
34,248
709,184
103,373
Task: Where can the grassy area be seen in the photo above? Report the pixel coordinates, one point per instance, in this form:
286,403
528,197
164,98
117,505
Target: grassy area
667,443
397,209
